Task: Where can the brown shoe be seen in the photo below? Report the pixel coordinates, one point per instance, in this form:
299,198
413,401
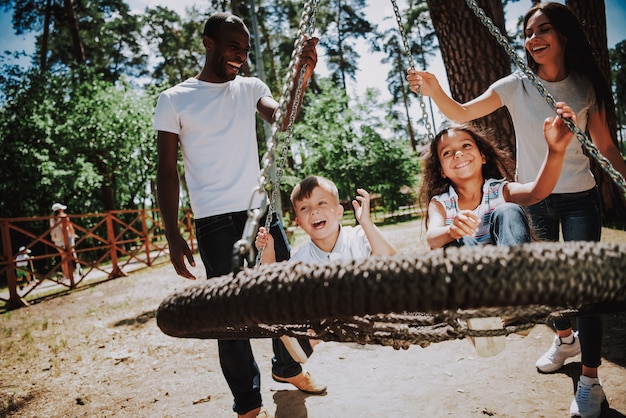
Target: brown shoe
302,381
255,413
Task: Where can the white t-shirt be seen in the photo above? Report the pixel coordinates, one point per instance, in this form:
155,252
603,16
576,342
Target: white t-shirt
352,244
529,109
216,126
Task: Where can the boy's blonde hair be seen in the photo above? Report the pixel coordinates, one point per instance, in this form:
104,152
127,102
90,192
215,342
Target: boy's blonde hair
304,189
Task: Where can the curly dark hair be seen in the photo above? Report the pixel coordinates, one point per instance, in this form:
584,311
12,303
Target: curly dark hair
498,162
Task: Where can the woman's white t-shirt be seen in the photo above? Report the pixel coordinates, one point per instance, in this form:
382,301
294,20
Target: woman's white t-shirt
528,109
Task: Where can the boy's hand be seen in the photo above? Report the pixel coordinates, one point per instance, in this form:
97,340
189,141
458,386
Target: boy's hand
556,132
264,240
361,206
464,223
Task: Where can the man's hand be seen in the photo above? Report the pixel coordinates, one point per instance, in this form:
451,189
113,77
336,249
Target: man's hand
308,56
179,250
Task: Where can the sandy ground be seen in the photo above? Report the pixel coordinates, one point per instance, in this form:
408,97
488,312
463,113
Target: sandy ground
99,353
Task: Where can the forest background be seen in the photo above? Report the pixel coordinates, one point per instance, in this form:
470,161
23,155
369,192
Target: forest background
76,121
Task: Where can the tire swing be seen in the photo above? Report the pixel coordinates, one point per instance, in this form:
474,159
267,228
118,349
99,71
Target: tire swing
399,300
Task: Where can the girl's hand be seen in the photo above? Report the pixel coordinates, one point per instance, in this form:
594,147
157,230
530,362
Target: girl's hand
464,223
556,132
422,82
361,206
264,239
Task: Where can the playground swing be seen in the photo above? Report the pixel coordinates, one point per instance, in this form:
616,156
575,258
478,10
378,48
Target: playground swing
403,299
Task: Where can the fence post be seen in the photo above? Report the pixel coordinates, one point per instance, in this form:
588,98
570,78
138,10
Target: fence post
115,268
67,252
15,301
146,236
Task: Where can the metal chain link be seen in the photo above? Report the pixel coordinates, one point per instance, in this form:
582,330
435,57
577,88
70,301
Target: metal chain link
307,27
245,244
580,135
407,49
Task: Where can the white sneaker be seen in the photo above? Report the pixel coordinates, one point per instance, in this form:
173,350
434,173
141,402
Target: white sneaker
555,357
588,400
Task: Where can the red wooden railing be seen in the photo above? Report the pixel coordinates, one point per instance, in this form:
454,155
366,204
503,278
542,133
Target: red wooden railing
108,245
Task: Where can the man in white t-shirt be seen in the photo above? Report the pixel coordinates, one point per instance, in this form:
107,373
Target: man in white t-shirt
212,117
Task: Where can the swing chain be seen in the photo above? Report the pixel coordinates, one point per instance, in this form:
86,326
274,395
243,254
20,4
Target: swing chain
617,178
307,26
245,244
405,42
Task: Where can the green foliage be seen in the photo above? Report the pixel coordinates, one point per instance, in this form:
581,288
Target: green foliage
341,22
71,140
618,70
345,144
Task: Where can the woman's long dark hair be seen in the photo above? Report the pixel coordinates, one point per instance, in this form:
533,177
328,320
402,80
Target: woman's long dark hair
578,53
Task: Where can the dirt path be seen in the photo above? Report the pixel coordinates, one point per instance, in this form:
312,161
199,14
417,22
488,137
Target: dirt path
98,353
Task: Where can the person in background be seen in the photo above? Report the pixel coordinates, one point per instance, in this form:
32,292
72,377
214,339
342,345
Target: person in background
24,266
63,235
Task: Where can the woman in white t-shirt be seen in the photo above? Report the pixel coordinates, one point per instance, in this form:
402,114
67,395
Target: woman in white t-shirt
560,55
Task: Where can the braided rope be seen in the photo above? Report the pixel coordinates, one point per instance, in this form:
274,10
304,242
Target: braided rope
245,245
307,27
403,299
617,178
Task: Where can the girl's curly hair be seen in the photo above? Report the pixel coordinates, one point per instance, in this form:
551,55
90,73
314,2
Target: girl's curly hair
499,163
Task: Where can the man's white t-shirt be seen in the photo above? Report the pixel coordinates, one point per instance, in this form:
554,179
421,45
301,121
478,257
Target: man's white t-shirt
352,244
216,126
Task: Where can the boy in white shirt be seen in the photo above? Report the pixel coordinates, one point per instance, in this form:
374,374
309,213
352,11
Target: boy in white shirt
318,212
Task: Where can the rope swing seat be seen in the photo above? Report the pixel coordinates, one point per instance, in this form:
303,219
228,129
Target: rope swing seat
482,293
404,299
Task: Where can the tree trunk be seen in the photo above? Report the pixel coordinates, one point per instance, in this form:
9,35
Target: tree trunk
72,23
592,16
43,53
473,58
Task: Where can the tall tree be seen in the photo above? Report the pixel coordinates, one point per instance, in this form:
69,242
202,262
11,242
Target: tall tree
420,38
618,70
342,22
178,42
347,146
103,35
472,57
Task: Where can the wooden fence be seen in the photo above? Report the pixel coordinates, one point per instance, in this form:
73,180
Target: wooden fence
108,246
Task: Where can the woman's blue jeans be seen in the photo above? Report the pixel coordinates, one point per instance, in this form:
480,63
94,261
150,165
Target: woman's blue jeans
216,236
578,217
